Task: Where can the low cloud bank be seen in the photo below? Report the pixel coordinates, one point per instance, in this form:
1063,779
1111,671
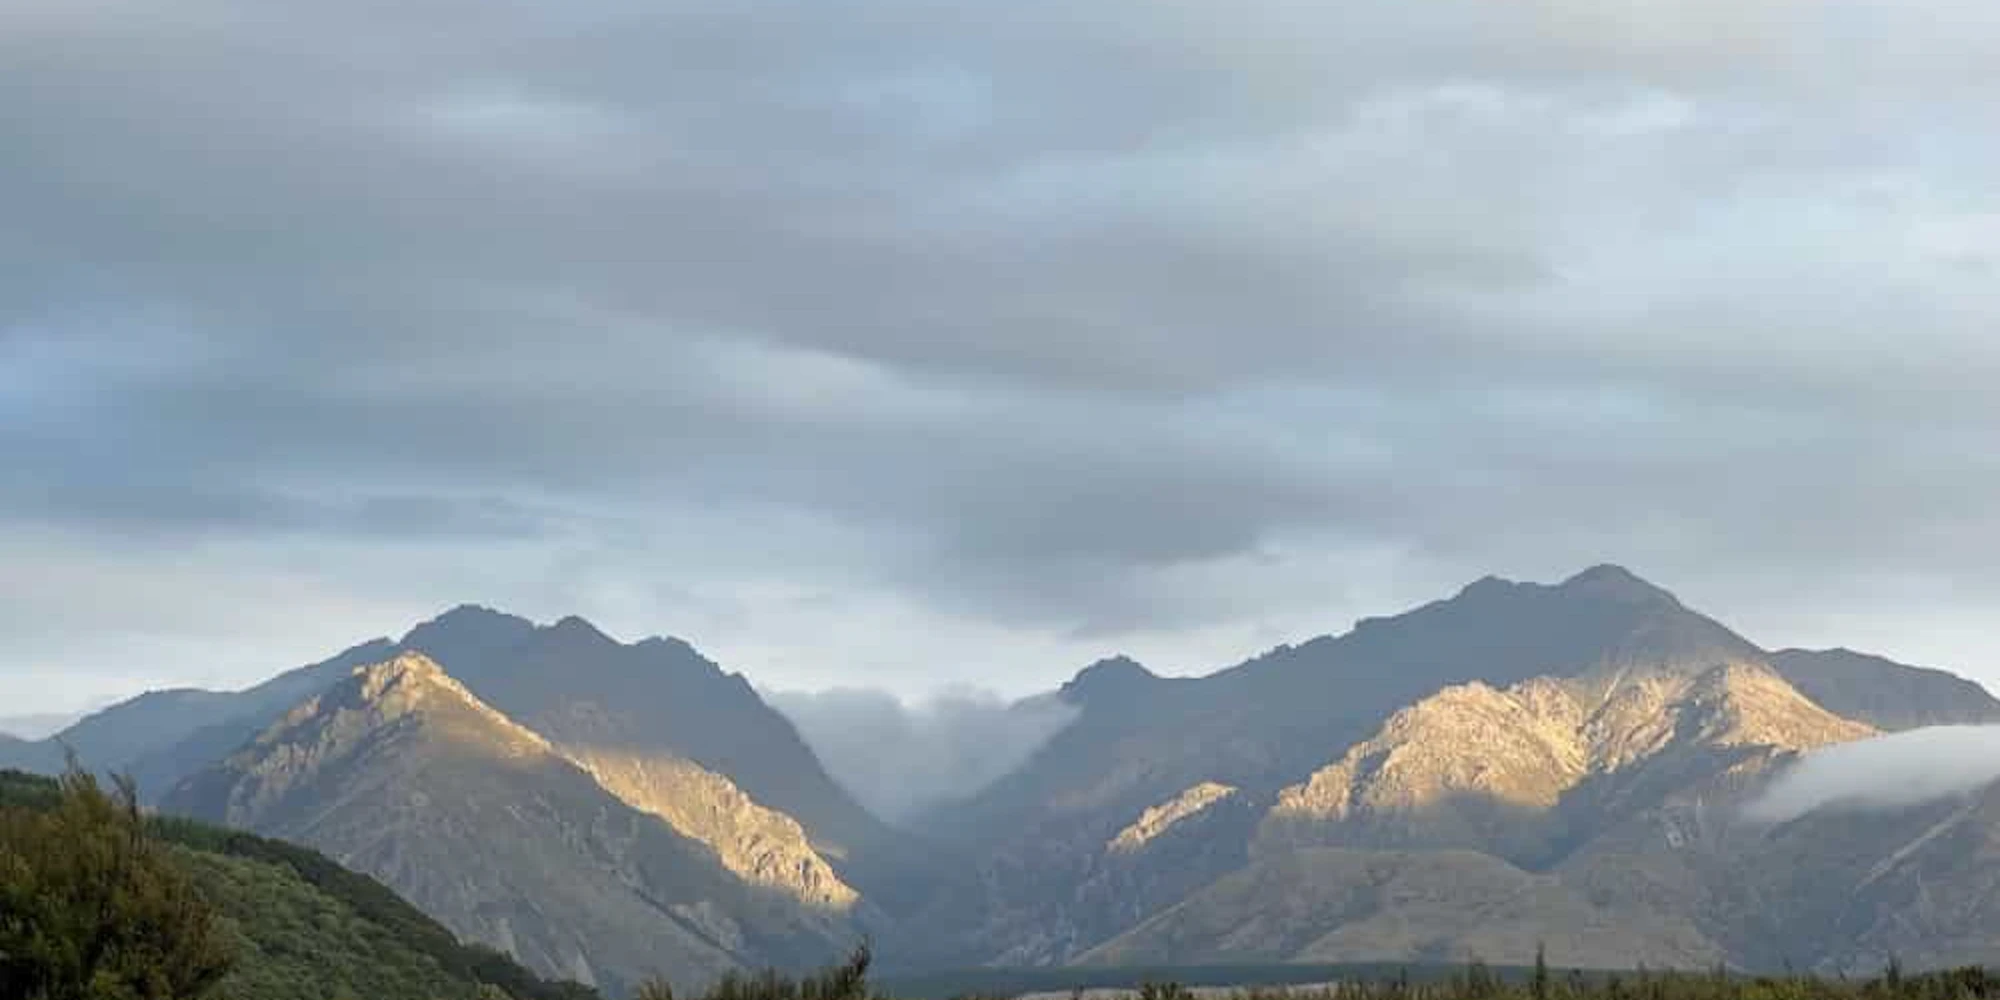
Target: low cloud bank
1888,772
899,759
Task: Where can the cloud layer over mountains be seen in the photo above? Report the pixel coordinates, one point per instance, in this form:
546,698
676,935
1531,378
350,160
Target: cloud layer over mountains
1901,769
899,758
890,342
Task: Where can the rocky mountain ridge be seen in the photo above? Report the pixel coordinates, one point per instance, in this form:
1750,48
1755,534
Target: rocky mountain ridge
1578,753
1479,768
402,773
1522,722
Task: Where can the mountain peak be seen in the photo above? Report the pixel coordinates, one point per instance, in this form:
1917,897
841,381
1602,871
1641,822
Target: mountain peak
414,686
467,627
578,627
403,671
1113,677
1614,581
463,615
1487,584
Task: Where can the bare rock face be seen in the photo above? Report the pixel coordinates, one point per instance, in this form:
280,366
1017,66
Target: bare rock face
1517,771
637,717
1159,819
401,773
762,846
1441,838
657,698
1537,724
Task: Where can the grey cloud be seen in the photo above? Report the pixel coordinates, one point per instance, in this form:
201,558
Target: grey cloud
1093,322
1888,772
899,758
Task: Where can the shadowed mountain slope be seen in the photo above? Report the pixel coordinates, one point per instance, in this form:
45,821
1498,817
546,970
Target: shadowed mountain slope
665,729
1330,905
1518,720
585,690
163,736
401,772
1883,693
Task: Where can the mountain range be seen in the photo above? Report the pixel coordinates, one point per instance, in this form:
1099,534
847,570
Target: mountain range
1520,765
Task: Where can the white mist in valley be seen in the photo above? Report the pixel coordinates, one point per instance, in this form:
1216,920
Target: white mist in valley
1887,772
901,758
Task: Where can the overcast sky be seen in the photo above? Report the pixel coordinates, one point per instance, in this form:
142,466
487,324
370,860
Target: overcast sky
909,344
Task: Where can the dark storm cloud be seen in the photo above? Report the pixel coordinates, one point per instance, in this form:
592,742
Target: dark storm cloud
1109,322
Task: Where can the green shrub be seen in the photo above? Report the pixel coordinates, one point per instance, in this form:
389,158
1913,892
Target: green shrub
92,906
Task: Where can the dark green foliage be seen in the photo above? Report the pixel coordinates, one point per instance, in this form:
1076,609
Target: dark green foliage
19,790
305,928
93,907
296,943
374,904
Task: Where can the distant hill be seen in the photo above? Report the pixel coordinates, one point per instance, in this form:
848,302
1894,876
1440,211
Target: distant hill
305,928
161,737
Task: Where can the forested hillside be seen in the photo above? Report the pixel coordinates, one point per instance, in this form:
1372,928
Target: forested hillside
292,923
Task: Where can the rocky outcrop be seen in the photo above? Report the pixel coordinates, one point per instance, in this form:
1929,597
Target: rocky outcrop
762,846
654,699
1161,818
